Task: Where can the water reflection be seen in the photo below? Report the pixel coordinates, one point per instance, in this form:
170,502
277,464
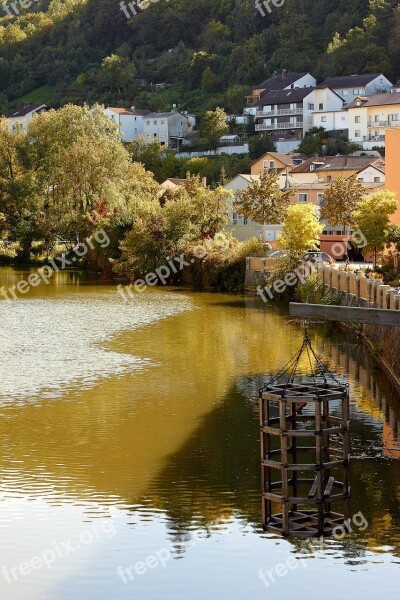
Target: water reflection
173,445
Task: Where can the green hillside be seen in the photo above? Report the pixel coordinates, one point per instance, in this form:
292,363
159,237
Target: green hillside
208,52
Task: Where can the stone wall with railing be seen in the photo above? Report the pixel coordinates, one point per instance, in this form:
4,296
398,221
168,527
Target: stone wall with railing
373,291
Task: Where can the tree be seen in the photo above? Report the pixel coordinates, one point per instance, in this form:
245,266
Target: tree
214,126
264,201
301,230
372,217
259,145
341,200
116,72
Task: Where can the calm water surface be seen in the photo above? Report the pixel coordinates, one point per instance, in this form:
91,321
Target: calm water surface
129,443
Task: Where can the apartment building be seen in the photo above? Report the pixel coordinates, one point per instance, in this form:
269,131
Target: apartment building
369,117
349,87
130,121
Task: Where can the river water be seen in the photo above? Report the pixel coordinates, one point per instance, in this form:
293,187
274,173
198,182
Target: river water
129,450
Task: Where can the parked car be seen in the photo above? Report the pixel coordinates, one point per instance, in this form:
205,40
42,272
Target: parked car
278,254
319,257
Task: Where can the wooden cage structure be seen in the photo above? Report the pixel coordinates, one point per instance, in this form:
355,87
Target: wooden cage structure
305,451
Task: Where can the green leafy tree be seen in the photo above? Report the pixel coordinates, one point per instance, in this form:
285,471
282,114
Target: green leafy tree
301,230
341,200
372,217
214,126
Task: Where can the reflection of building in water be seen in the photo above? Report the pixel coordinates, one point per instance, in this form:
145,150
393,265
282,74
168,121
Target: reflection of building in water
352,360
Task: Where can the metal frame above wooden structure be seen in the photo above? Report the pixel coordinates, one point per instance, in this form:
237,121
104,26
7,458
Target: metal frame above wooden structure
346,314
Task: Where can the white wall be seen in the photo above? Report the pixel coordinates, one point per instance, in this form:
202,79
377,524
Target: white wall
305,81
130,126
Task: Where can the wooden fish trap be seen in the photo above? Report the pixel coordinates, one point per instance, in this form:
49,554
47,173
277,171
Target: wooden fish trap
305,450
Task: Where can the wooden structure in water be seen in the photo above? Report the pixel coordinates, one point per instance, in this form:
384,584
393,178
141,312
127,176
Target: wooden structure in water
305,450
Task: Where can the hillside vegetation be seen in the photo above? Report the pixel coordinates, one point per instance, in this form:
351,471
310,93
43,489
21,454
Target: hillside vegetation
209,51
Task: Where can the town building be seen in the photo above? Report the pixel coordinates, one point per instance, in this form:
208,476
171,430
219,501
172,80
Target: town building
168,128
284,80
130,121
23,114
325,169
348,87
276,161
370,116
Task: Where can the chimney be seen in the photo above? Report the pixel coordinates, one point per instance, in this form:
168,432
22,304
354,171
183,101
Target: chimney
284,73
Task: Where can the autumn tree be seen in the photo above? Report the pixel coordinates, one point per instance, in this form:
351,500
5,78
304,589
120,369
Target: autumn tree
214,126
372,217
341,200
301,230
264,201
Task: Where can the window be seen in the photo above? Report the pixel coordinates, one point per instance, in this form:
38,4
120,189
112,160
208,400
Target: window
357,119
265,164
320,198
234,218
323,119
329,178
342,118
357,133
394,117
147,122
154,122
154,134
321,107
272,164
377,179
135,119
303,198
376,118
244,221
360,179
357,92
162,122
310,106
345,93
135,129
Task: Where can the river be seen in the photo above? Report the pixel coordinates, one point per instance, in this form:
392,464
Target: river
129,450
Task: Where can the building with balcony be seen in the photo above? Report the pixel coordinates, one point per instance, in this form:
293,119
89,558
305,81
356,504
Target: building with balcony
288,114
369,117
348,87
285,80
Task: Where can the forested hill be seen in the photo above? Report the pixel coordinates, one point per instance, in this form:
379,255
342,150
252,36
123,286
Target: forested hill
209,51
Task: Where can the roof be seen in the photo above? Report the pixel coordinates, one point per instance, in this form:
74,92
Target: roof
377,100
156,115
278,82
24,109
339,163
127,111
284,96
286,159
347,81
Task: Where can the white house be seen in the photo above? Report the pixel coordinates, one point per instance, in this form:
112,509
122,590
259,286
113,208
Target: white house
374,173
168,128
129,121
332,120
288,113
23,114
351,86
370,116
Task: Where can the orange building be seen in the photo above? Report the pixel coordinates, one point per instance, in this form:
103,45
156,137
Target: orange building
392,142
